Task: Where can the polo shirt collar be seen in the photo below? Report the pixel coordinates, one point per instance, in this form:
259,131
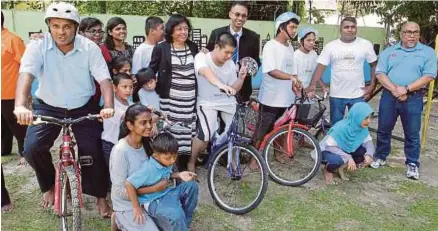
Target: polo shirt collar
155,163
418,46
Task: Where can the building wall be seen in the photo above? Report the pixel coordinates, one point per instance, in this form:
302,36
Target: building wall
23,22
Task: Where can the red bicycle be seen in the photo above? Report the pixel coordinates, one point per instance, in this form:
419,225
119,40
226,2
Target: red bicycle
292,154
68,188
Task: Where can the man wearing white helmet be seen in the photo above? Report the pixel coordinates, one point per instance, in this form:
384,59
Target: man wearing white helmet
64,64
346,56
279,75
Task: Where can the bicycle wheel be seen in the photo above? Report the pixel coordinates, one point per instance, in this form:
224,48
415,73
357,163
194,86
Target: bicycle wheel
299,167
237,189
70,205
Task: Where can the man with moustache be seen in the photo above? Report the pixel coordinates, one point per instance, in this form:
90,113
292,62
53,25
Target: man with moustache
248,42
403,69
65,64
346,56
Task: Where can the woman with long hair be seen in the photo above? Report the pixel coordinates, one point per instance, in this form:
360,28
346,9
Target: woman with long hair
114,44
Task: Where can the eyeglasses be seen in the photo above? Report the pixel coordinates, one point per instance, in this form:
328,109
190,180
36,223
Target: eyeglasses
410,33
181,28
94,31
237,14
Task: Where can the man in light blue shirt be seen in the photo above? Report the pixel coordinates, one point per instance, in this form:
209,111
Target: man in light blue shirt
403,69
64,64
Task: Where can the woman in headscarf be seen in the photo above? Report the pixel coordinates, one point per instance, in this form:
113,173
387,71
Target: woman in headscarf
348,143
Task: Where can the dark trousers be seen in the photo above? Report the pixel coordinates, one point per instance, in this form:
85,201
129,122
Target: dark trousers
335,161
338,105
410,114
5,195
11,128
40,138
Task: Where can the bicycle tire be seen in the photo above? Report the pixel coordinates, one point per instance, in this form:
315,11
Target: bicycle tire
70,180
310,175
223,150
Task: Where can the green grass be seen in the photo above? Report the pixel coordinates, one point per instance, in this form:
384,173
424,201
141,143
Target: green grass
372,200
9,158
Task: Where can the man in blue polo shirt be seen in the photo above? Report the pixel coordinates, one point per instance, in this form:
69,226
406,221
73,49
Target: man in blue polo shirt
403,69
64,64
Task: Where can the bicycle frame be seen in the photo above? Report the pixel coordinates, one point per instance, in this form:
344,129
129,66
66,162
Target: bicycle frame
286,120
230,137
66,158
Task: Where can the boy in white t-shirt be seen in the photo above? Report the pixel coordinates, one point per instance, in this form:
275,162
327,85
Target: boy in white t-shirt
123,86
305,57
147,95
279,76
154,27
218,82
346,56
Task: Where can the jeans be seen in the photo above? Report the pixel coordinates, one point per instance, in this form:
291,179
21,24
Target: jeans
174,211
410,114
337,107
11,128
335,161
40,138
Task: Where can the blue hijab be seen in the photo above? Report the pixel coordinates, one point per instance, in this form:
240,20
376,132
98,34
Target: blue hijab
348,133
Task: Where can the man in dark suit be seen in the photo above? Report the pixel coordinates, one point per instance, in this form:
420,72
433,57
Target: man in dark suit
248,42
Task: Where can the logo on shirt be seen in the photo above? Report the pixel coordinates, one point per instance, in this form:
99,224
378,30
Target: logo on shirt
392,56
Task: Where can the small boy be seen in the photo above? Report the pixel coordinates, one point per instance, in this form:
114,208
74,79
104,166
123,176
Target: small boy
171,208
147,95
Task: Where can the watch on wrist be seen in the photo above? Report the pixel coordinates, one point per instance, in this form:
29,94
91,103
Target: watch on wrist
407,89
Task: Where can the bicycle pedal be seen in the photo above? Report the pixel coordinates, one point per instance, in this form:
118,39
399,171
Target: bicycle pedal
85,160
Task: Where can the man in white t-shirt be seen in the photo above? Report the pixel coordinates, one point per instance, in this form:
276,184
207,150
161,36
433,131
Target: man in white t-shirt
346,56
279,75
218,82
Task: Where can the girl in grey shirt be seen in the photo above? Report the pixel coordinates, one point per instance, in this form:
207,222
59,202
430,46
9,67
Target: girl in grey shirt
127,157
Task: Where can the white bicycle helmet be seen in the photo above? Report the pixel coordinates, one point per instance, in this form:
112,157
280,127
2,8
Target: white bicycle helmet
62,10
306,30
285,17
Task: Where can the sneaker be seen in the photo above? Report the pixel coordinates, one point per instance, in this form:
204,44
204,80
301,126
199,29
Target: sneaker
412,171
378,163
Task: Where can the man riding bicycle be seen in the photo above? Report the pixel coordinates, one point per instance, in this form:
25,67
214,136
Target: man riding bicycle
65,65
217,84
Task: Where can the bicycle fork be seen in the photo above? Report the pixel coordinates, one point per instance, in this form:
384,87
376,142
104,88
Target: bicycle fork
233,164
66,152
290,142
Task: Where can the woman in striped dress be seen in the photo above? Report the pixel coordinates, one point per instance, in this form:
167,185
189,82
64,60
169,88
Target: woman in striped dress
176,85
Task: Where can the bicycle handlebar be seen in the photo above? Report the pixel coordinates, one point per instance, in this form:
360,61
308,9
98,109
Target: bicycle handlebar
168,123
40,119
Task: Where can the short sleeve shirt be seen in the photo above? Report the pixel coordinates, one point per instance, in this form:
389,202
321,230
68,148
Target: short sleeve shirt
150,173
277,92
65,80
12,51
142,57
305,65
347,60
207,92
404,66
